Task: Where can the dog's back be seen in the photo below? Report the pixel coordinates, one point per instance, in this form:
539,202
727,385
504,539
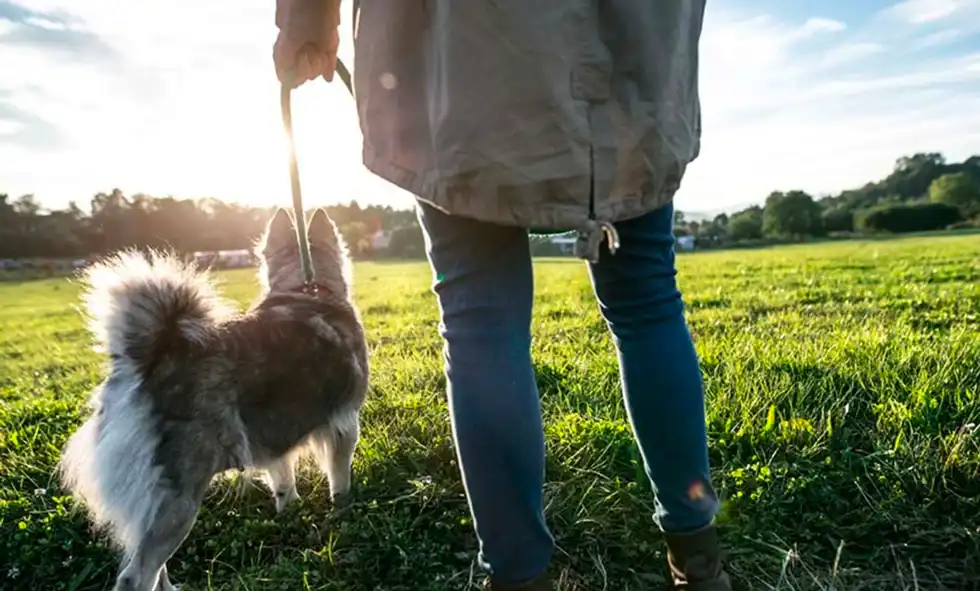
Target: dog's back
297,365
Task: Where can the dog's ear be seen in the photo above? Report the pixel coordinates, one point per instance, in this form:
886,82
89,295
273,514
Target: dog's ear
280,229
321,228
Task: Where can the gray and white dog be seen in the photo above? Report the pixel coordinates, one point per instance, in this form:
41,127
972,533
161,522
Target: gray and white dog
195,388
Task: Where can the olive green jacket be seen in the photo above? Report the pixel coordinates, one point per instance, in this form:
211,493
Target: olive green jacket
545,114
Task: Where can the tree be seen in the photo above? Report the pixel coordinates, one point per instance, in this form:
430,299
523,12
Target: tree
714,231
25,230
791,215
913,174
9,227
912,217
27,205
957,190
909,181
971,166
837,219
746,224
356,236
407,241
115,220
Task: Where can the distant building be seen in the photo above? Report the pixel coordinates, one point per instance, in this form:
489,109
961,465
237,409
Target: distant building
224,259
565,243
380,240
685,243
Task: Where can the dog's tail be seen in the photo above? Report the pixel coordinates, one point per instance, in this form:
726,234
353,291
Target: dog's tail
141,307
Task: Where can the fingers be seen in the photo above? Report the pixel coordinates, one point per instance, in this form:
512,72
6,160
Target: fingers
306,47
329,65
296,66
307,65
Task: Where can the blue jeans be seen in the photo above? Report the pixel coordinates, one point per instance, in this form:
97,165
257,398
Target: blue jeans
484,284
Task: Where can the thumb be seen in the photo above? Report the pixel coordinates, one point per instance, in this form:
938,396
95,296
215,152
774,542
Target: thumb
282,56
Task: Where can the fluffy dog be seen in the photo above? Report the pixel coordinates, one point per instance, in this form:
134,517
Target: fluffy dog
195,389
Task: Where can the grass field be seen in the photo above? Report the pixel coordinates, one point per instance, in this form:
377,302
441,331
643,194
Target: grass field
844,397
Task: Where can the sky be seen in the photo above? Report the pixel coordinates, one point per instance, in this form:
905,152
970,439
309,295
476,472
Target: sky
180,98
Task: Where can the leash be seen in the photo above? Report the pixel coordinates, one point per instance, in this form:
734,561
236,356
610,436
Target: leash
299,218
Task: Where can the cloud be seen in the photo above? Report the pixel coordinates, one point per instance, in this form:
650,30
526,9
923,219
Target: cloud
849,52
937,39
919,12
55,30
26,129
963,70
815,25
51,59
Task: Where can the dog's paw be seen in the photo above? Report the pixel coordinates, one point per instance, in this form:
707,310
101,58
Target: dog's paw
340,488
165,584
343,500
284,499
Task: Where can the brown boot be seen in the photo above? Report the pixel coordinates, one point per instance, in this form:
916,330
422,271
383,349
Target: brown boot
540,583
695,561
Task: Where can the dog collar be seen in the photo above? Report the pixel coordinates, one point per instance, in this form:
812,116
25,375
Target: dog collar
311,288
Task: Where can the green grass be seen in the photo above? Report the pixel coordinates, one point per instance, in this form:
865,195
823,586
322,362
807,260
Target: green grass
842,380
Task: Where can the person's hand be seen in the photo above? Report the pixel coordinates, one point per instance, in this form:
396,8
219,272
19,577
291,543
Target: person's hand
308,39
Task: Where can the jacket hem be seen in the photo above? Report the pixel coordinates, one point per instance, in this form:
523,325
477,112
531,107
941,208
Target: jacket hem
519,206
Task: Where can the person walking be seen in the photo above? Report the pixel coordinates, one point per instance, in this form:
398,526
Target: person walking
505,117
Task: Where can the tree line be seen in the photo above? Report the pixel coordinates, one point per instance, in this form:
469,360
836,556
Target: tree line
113,221
923,192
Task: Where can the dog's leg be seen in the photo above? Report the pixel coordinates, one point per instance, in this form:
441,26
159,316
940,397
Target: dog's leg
339,453
170,526
283,476
164,583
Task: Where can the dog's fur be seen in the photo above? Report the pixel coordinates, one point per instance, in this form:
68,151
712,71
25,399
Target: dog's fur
194,389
